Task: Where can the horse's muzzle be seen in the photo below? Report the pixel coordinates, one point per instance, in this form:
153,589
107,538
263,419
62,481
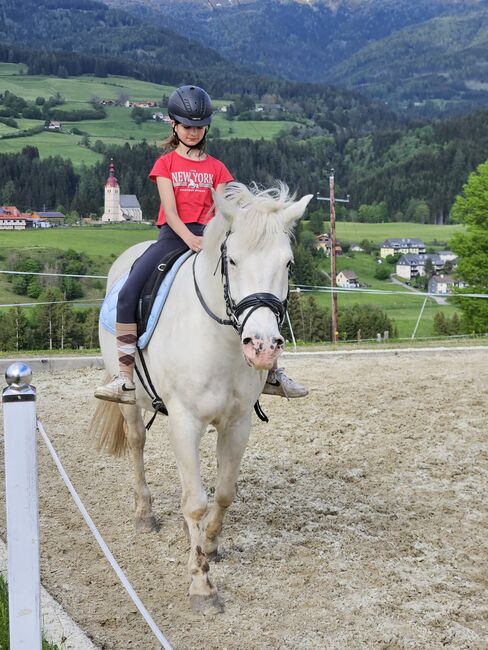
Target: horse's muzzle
262,353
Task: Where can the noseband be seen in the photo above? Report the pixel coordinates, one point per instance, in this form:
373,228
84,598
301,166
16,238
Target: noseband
252,302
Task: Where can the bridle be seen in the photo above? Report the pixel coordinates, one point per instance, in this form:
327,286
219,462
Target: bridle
252,302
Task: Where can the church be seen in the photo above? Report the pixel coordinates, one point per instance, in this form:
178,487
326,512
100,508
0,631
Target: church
119,207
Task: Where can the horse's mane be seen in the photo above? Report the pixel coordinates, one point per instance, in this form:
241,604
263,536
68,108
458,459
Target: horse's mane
257,215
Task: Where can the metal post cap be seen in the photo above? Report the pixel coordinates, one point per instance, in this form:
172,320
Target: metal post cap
18,374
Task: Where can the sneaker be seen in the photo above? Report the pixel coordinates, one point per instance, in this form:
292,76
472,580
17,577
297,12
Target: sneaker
280,384
120,389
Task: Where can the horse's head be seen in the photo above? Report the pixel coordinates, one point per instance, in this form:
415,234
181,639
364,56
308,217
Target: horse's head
253,228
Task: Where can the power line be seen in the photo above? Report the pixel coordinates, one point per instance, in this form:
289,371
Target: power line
383,292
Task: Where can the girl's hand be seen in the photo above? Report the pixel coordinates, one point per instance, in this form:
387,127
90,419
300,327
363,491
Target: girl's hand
194,242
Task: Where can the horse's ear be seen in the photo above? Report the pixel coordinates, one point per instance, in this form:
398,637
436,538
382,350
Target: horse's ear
296,210
223,206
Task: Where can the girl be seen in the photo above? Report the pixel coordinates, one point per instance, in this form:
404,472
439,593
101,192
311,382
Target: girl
186,206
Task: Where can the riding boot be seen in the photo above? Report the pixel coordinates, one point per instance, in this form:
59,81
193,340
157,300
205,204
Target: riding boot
278,383
122,388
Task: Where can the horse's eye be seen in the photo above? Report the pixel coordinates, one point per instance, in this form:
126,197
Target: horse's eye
231,262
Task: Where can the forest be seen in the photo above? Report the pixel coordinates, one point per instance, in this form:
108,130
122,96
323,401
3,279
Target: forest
393,175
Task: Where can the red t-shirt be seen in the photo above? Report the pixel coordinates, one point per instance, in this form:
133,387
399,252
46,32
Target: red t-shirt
192,182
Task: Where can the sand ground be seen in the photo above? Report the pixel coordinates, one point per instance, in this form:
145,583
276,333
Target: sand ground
360,520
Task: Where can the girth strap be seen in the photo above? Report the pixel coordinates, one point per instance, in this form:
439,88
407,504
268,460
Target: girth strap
156,402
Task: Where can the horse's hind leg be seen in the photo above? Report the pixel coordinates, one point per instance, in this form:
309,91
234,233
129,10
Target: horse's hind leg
136,438
231,444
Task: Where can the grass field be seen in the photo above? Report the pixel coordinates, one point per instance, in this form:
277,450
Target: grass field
118,127
106,242
53,144
377,232
102,241
403,307
80,88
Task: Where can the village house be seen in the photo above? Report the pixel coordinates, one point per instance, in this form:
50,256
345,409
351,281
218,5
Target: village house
54,125
410,266
119,207
444,284
323,243
12,219
147,104
53,218
356,248
347,279
404,245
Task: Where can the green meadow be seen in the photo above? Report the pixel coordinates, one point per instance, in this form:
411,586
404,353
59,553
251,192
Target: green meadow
104,243
80,89
378,232
117,128
100,241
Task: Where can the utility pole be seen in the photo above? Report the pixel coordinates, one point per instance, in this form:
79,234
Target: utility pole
333,242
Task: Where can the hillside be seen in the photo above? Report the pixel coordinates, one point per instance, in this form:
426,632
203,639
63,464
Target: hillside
76,138
74,37
425,57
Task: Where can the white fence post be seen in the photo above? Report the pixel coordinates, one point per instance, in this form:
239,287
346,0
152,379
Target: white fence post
19,417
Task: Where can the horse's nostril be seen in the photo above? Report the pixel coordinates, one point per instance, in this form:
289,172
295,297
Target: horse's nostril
280,342
247,340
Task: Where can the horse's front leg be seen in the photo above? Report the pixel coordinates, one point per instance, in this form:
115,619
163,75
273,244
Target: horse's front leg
186,432
231,444
136,437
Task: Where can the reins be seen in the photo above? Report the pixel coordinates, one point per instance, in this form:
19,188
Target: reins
252,302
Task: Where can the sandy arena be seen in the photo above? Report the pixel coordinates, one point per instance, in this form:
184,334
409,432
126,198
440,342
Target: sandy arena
360,521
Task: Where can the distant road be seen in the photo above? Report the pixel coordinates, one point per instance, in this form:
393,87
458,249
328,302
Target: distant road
439,301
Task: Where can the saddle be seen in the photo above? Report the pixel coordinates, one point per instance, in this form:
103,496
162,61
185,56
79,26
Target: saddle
151,288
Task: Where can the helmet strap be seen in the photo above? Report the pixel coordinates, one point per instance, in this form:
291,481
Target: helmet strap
198,145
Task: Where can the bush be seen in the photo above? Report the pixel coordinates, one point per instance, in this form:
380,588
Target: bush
383,272
367,320
445,326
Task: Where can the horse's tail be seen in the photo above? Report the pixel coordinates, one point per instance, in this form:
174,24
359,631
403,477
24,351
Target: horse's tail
108,428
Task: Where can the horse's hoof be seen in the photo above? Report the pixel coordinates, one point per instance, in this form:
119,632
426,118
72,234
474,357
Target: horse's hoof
214,555
146,524
206,604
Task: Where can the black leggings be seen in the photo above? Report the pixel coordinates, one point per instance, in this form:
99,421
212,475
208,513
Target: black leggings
167,242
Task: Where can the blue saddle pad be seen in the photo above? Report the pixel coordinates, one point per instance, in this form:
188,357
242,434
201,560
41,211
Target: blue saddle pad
108,311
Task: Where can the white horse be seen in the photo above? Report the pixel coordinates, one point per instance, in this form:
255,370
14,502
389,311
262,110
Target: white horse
209,373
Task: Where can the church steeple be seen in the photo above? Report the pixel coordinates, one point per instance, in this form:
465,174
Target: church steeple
111,180
112,210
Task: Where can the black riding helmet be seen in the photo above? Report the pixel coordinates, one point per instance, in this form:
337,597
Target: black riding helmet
191,106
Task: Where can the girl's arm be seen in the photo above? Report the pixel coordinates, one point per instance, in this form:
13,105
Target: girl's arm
167,196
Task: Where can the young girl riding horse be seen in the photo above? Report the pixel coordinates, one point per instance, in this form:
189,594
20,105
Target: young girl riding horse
185,177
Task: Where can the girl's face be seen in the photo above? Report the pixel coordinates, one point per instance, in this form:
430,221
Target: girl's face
189,135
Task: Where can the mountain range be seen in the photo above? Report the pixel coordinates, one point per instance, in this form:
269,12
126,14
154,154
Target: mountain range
427,56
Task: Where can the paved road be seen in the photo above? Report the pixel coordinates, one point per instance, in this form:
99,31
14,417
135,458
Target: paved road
439,300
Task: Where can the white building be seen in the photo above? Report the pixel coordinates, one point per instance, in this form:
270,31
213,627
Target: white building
444,284
119,207
404,245
347,279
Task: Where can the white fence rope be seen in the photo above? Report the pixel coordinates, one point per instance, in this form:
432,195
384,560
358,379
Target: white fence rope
57,275
295,287
106,551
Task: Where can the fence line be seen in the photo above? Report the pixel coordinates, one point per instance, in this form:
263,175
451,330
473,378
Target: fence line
23,514
297,287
